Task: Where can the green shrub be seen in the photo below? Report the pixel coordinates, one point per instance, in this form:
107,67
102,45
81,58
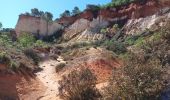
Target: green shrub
140,41
93,7
103,30
115,46
33,55
116,26
79,85
26,40
4,58
129,41
13,65
40,43
115,3
138,80
60,67
6,40
155,37
124,56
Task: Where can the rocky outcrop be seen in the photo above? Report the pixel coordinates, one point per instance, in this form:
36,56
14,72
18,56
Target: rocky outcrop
36,25
66,21
119,15
84,30
154,22
100,61
76,28
116,14
136,17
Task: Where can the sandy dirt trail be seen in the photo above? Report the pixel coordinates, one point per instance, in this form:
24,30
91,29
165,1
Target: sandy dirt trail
50,79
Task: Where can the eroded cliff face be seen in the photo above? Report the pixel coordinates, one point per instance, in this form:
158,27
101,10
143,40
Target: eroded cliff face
132,10
154,22
85,30
22,84
36,25
118,15
99,60
135,17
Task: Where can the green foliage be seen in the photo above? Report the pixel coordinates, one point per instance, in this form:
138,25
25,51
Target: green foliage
34,12
130,41
115,3
13,65
5,40
138,80
76,45
4,58
60,67
66,13
0,25
48,16
124,56
33,55
116,27
79,85
103,30
114,46
93,7
156,36
75,11
108,5
134,40
140,41
26,40
121,2
40,43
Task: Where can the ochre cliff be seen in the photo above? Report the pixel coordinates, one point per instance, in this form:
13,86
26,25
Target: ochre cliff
119,15
132,10
36,25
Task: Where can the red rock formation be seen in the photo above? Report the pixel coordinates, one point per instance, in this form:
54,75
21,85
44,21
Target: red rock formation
133,10
87,14
8,89
67,20
99,61
102,68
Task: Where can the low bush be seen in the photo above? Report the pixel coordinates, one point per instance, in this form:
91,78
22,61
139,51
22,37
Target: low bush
4,59
6,40
115,3
59,67
115,46
26,40
138,80
40,43
103,30
33,55
79,85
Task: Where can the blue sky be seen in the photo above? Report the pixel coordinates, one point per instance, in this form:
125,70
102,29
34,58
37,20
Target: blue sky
10,9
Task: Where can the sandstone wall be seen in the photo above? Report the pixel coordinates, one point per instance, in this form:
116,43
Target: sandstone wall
53,27
36,25
27,24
